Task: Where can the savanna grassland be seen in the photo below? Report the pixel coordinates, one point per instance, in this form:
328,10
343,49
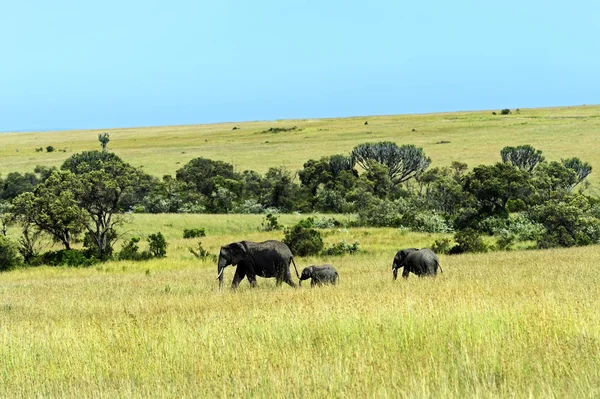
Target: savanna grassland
471,137
502,324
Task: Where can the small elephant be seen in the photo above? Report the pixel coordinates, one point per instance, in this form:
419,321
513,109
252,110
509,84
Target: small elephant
422,262
319,275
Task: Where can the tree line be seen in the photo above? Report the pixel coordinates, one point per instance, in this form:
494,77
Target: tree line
521,197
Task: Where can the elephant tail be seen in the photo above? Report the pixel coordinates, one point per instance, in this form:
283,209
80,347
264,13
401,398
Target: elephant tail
440,266
294,263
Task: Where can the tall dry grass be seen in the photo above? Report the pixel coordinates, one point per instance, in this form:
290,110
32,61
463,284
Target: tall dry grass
500,324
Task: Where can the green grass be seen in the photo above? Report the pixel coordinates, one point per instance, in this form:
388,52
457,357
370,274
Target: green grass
475,138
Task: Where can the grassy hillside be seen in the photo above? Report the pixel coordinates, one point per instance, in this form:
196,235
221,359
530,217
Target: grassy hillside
501,324
504,324
474,137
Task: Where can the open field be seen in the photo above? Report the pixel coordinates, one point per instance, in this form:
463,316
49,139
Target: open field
474,138
503,324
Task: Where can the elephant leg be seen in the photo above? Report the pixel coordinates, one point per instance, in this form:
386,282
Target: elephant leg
405,272
251,278
288,280
240,273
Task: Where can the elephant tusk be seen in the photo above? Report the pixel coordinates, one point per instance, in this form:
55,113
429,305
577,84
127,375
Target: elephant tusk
221,272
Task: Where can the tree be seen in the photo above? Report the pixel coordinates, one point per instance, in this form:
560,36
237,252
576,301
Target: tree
280,190
552,180
16,184
492,186
105,181
524,157
9,256
104,138
202,174
53,207
582,169
403,162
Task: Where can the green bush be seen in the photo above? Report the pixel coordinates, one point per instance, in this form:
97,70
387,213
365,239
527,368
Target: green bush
202,254
506,240
9,254
341,248
428,222
270,223
505,111
468,241
130,251
302,240
441,246
67,257
194,233
158,245
50,149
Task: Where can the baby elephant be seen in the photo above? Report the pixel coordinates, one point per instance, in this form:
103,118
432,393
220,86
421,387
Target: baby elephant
319,275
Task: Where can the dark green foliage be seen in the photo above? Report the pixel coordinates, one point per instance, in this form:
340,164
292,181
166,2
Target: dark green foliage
9,255
552,180
303,240
492,186
106,181
67,257
53,207
567,223
130,251
49,149
524,157
403,163
16,184
194,233
581,169
270,223
342,248
202,254
468,241
505,111
158,245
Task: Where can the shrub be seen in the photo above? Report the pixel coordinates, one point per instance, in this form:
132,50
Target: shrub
302,240
67,257
505,111
202,254
506,240
9,254
249,206
341,248
428,222
158,245
130,251
326,223
468,241
194,233
441,246
270,223
50,149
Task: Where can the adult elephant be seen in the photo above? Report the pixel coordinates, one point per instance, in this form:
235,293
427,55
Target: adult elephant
422,262
264,259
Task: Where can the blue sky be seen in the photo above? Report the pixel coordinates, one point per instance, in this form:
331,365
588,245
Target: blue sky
76,64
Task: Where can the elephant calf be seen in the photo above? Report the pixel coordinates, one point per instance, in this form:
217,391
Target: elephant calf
319,275
422,262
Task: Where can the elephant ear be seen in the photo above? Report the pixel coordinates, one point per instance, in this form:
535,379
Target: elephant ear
237,252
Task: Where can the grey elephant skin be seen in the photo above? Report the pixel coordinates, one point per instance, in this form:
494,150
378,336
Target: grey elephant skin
422,262
325,274
264,259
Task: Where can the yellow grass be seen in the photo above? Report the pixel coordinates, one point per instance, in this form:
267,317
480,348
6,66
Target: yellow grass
475,137
507,324
504,324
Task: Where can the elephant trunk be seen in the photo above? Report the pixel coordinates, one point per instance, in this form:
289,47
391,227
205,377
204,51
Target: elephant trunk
395,271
